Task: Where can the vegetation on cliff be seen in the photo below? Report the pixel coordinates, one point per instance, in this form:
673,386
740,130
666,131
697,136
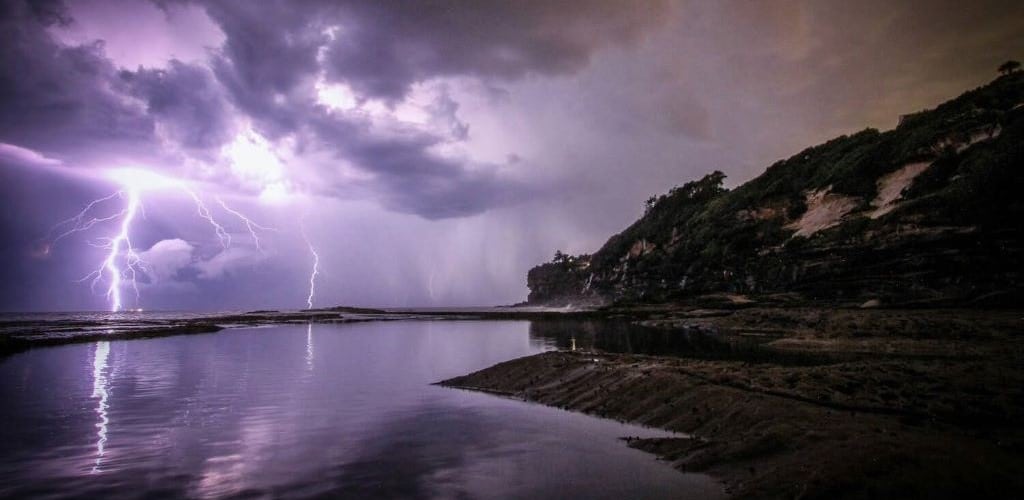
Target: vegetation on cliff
925,213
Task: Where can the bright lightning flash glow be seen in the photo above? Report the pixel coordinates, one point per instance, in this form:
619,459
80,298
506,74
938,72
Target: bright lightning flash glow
122,262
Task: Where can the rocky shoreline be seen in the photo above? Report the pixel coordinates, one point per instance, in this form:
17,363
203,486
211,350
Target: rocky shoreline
21,334
837,403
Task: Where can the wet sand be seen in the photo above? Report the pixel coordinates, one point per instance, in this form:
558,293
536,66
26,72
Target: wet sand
831,404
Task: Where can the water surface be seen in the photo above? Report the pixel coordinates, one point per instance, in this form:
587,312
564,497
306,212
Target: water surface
307,411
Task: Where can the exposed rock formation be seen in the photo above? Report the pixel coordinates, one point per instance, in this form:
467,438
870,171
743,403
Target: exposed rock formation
824,210
891,186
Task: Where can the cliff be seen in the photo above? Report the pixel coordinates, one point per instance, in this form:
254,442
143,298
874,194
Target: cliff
926,213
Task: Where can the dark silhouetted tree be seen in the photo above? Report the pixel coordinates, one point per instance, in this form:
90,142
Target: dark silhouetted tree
649,204
1010,66
560,258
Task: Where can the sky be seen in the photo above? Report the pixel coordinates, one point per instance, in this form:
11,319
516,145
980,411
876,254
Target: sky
417,153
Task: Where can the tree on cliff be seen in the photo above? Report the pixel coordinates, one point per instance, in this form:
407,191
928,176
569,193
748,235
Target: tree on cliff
649,204
1010,66
709,185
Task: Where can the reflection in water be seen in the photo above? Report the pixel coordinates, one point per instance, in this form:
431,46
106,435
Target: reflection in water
100,389
309,346
245,414
689,342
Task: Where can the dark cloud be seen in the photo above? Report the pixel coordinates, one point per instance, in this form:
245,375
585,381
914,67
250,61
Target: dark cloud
48,12
58,98
269,50
72,101
447,189
569,112
186,100
273,51
411,178
382,48
446,109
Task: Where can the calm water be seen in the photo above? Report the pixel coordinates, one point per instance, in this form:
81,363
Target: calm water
297,411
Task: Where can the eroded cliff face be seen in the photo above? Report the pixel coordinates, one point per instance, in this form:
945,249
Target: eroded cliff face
563,283
927,213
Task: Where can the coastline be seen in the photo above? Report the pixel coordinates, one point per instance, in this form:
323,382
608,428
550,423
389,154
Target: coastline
22,334
862,414
779,402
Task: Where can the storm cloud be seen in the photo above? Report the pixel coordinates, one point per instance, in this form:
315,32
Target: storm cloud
187,100
437,149
383,48
61,100
274,52
72,101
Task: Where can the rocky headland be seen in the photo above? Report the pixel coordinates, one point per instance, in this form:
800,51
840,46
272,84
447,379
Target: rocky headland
925,215
849,324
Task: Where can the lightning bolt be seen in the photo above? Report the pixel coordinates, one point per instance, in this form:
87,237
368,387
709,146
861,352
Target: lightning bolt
249,224
316,265
79,223
122,263
204,213
114,245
